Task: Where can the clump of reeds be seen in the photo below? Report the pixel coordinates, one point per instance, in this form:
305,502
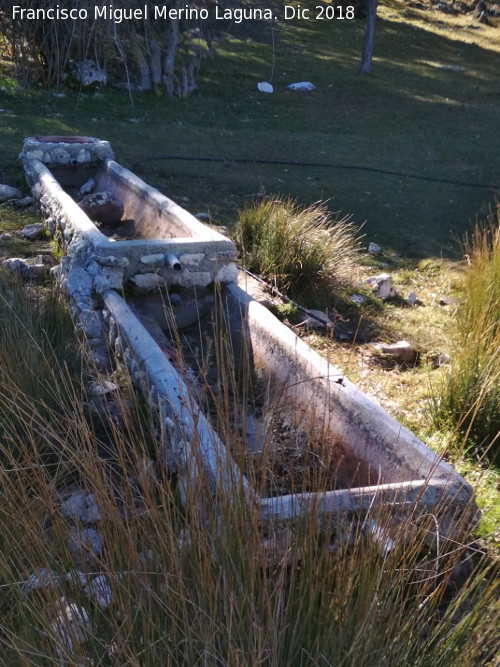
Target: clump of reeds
305,252
207,581
471,394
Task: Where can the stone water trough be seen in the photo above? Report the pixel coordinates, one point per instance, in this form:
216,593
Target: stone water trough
163,288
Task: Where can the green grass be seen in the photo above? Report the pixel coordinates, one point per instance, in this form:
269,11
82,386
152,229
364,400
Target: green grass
471,395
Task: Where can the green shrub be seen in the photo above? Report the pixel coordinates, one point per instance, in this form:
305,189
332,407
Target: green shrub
471,395
304,252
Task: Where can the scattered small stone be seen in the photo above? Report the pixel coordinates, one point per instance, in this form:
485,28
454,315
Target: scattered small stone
28,269
316,319
7,193
87,187
45,258
382,285
112,261
76,578
60,95
448,301
185,540
445,8
452,68
88,73
302,85
85,544
33,232
100,358
6,237
45,578
41,578
108,278
147,282
103,207
400,353
264,87
70,626
438,359
24,202
411,298
101,388
100,589
125,85
374,248
90,324
81,507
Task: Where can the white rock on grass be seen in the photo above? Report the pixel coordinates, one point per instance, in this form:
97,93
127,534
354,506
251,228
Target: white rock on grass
401,352
411,298
302,85
374,248
41,578
357,298
265,87
383,287
7,193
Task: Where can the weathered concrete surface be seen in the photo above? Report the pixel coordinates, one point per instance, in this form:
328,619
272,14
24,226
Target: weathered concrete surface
202,255
192,442
402,464
65,150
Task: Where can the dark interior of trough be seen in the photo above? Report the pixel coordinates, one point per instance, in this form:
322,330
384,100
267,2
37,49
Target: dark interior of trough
72,179
276,444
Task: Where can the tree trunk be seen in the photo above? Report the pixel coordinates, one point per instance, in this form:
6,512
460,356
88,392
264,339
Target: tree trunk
172,40
142,65
366,58
155,63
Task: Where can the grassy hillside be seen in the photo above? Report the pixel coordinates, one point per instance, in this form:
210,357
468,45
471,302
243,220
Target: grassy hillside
429,110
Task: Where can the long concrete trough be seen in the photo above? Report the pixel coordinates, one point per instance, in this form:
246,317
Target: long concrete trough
393,470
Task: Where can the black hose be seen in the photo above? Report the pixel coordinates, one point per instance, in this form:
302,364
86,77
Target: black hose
321,165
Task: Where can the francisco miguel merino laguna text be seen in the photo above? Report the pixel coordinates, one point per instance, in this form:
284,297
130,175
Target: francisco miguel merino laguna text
155,12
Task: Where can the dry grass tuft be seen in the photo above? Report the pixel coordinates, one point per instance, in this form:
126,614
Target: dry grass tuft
304,252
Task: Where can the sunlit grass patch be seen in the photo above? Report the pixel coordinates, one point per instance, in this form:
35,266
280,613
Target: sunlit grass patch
303,251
